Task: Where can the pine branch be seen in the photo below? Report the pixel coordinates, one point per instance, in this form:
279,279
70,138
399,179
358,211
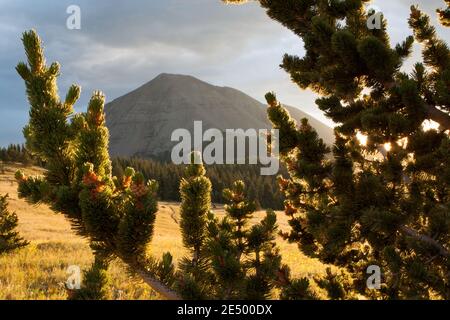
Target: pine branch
438,116
117,218
426,239
435,114
153,282
444,14
355,220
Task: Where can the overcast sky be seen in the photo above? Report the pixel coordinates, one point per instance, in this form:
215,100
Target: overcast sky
124,44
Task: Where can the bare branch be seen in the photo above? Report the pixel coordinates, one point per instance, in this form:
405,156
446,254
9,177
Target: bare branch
426,239
156,285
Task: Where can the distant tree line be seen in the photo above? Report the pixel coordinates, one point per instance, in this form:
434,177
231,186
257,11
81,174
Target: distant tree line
17,153
263,190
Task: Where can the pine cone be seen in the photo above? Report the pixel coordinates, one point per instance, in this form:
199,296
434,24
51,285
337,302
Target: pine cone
126,183
140,206
90,179
284,183
99,118
100,188
290,210
139,190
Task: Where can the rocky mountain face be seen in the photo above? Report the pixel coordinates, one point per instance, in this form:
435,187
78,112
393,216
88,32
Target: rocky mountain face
141,122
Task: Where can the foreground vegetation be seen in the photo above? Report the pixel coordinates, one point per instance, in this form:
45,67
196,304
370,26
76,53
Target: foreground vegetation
39,270
382,203
385,199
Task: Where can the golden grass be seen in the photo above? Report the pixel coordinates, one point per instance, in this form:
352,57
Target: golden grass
39,270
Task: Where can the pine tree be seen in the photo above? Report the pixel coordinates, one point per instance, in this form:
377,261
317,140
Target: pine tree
195,205
195,192
227,259
9,237
384,197
252,248
444,14
95,283
116,216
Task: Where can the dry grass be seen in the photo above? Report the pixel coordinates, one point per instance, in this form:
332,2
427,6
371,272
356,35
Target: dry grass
39,270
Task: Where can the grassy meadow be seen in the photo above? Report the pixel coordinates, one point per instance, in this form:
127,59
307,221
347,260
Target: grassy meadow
39,270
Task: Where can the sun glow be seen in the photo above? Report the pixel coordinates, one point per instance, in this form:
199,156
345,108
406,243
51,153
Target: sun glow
388,146
428,125
362,138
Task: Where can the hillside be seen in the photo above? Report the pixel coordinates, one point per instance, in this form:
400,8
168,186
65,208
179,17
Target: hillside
142,121
39,270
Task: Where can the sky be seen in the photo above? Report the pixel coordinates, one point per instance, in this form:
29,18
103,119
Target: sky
124,44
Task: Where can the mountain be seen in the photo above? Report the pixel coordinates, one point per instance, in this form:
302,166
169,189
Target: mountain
142,121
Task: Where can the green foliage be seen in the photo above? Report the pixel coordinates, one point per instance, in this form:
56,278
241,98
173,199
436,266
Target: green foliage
243,262
366,206
239,210
227,258
297,289
338,286
117,217
9,237
369,205
195,193
48,134
261,189
93,137
95,283
444,14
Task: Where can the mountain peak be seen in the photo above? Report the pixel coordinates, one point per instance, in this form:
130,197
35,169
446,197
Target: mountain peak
164,76
178,83
142,121
175,77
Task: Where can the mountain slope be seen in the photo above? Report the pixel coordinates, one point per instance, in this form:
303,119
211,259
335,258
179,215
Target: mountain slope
142,121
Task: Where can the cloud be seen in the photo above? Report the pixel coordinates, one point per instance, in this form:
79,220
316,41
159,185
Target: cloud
123,44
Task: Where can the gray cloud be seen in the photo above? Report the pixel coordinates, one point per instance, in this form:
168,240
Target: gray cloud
124,44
